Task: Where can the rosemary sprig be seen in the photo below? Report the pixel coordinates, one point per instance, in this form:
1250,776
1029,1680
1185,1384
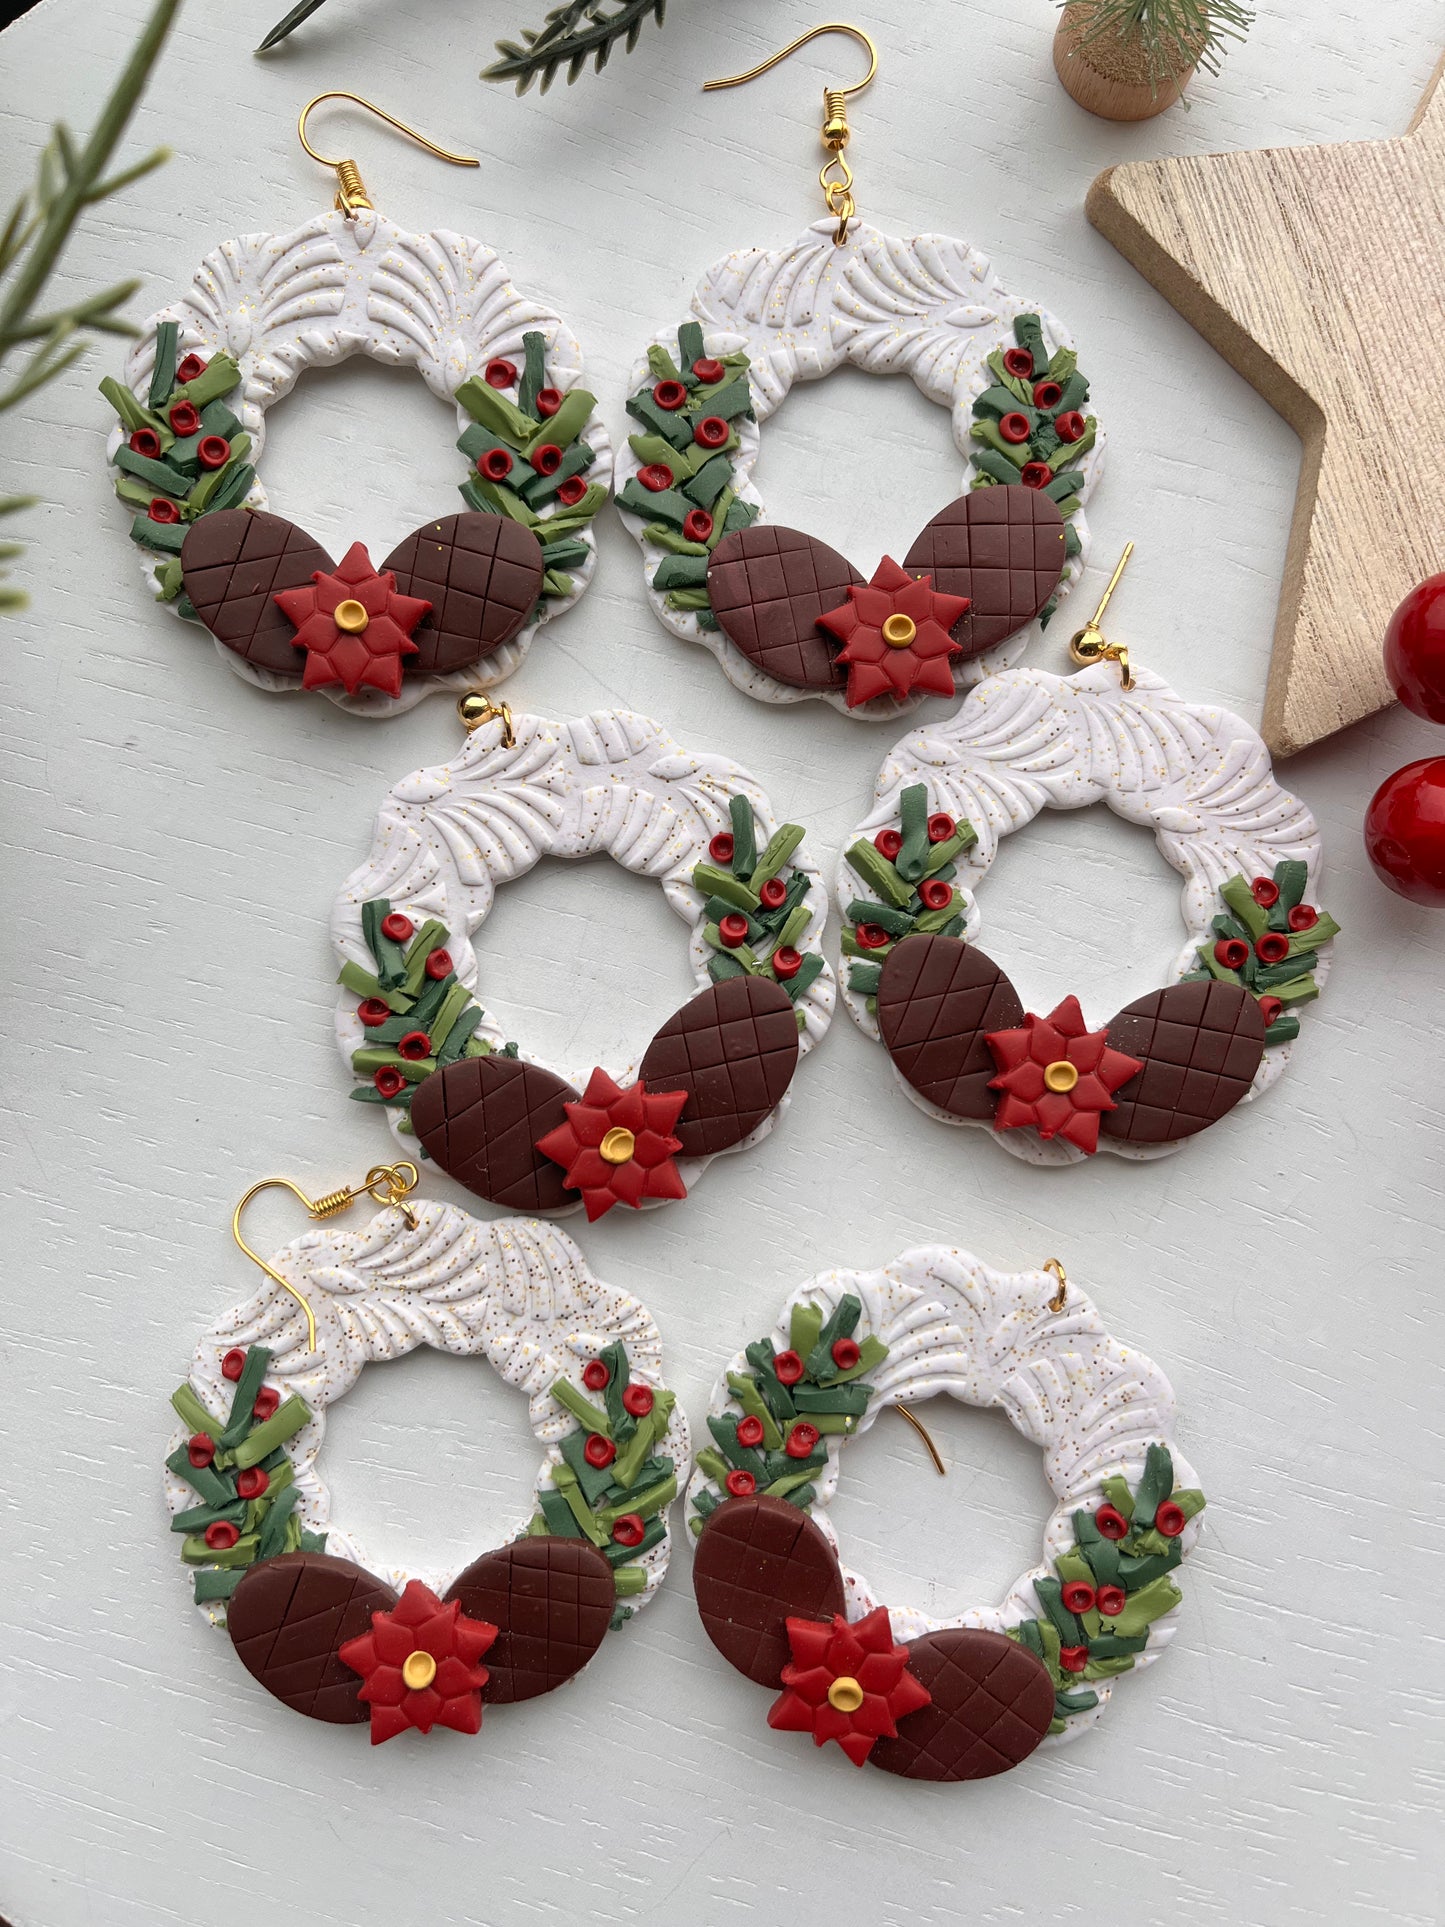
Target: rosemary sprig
573,33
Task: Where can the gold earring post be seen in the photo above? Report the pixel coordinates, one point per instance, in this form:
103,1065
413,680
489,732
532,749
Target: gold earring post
922,1430
1088,644
835,177
351,192
386,1183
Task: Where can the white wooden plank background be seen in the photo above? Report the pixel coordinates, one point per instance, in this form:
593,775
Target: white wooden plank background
172,842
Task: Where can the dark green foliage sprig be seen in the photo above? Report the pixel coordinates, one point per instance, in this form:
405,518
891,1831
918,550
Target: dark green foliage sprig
829,1396
734,891
702,478
574,34
896,881
69,179
1175,35
1138,1564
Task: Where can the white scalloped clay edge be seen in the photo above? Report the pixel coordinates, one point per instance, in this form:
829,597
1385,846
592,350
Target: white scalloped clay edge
929,307
612,783
514,1291
954,1326
439,303
1195,774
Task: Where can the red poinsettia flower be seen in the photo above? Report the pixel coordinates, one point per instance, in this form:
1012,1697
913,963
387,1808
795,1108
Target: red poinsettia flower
419,1665
1057,1075
353,625
846,1683
896,635
617,1146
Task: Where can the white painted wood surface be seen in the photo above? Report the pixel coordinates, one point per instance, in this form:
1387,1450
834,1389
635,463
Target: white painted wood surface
173,839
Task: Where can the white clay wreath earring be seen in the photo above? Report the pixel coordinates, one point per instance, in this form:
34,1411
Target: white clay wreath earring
457,602
788,617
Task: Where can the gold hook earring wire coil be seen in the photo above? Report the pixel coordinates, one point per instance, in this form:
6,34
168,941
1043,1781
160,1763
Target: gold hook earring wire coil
351,194
386,1183
922,1430
1056,1303
476,709
1088,645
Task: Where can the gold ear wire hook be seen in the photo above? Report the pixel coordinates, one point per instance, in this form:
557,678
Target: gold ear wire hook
386,1183
476,709
835,177
351,189
921,1429
1056,1303
1088,644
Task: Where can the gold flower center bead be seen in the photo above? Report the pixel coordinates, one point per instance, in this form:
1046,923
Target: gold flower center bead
351,616
1061,1075
618,1145
845,1695
899,631
418,1669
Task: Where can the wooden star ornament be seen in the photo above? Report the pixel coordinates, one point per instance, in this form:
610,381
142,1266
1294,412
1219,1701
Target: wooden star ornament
1317,272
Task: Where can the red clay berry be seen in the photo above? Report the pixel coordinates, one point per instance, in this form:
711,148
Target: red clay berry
190,367
213,451
935,894
789,1367
656,476
595,1375
221,1535
184,418
1014,426
200,1448
500,373
1073,1659
1036,475
145,441
1170,1520
802,1440
414,1046
708,370
267,1401
941,826
1078,1597
742,1485
496,464
547,459
845,1353
629,1529
711,432
388,1080
399,928
1047,393
1019,362
1070,427
1304,916
871,936
750,1431
549,400
1272,947
721,848
373,1011
233,1364
1112,1601
669,395
1111,1523
697,525
252,1482
163,511
1270,1008
599,1451
570,492
1265,892
1232,952
787,962
888,843
439,965
733,929
638,1400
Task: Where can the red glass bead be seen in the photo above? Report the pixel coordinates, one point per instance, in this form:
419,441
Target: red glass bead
750,1431
549,400
670,395
501,374
801,1440
267,1400
1036,475
1014,427
708,370
1073,1659
721,848
190,367
1112,1601
213,451
789,1367
697,525
1265,892
638,1400
1272,947
1111,1523
657,476
1304,916
595,1375
888,843
773,894
145,441
1415,650
1170,1520
733,929
1078,1597
414,1046
200,1448
495,464
845,1353
787,962
1269,1009
252,1482
1019,362
711,432
872,936
221,1535
388,1080
629,1529
941,827
1232,952
398,927
742,1485
547,459
163,511
184,418
439,965
1047,393
1070,427
599,1451
373,1011
233,1364
570,492
935,894
1405,832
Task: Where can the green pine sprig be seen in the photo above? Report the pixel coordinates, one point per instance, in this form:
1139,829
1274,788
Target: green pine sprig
573,34
68,180
1175,35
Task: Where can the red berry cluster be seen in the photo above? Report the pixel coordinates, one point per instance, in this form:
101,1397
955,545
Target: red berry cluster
1405,823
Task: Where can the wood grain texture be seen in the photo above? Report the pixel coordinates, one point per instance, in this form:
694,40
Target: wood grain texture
172,844
1317,272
